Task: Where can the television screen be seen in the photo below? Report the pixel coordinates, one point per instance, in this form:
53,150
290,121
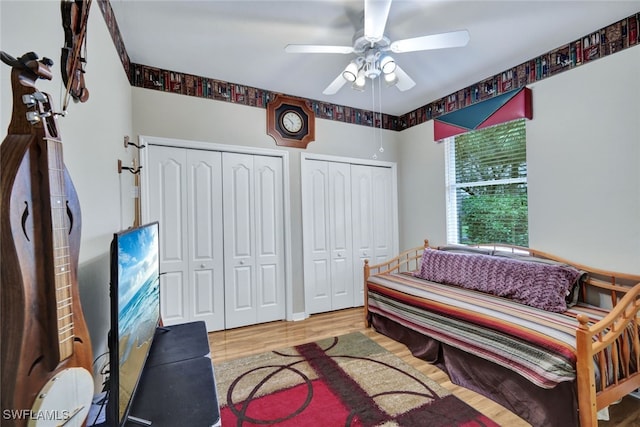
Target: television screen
135,312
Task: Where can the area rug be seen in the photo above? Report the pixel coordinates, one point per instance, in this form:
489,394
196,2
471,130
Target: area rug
344,381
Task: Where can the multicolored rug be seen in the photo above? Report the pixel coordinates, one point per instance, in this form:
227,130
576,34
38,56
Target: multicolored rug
345,381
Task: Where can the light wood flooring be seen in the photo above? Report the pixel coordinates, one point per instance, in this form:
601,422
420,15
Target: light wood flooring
236,343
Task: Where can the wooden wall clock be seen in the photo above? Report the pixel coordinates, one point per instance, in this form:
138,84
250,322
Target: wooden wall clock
290,122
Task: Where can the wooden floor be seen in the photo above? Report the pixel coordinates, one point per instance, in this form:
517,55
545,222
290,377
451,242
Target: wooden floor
235,343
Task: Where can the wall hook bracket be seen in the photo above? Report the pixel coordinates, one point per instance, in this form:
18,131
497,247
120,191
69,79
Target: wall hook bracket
127,143
133,170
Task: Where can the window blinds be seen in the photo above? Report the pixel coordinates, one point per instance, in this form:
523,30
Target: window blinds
487,186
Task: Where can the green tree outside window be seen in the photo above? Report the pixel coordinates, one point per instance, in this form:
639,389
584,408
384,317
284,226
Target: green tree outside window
487,176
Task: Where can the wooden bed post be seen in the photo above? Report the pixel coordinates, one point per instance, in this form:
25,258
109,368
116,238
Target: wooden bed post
367,272
585,375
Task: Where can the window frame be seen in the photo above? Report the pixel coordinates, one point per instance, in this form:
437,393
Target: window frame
451,188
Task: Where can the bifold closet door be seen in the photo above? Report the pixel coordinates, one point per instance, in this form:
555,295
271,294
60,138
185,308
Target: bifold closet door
372,213
253,239
327,242
185,190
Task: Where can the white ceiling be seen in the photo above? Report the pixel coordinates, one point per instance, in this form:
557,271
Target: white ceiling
243,41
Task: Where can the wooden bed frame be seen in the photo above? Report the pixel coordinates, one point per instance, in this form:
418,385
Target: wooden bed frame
623,291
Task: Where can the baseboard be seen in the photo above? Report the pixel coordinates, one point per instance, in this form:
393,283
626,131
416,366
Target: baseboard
295,317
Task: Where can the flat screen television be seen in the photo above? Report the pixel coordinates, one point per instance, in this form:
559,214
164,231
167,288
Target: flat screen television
135,313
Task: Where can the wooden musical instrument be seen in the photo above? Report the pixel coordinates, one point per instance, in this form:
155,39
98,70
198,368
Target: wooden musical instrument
46,352
75,15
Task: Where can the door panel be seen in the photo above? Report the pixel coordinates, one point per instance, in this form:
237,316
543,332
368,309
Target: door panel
239,239
316,236
383,235
242,294
166,199
363,238
240,200
206,259
340,225
269,201
320,281
167,206
173,297
204,297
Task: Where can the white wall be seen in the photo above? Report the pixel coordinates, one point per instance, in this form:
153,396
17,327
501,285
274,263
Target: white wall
182,117
421,188
583,148
583,152
92,135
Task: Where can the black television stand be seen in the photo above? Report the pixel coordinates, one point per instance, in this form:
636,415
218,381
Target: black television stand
177,386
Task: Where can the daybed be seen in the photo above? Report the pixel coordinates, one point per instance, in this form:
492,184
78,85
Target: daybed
552,341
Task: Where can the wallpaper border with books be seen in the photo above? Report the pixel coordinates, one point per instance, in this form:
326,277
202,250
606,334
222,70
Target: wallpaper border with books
603,42
606,41
148,77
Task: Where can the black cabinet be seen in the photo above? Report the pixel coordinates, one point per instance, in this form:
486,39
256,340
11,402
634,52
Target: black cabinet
177,386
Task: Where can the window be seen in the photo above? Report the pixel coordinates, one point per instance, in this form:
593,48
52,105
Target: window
486,178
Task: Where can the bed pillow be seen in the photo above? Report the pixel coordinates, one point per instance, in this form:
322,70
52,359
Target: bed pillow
572,295
539,285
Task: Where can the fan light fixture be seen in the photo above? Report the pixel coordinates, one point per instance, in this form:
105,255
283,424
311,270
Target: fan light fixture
372,65
360,81
387,64
391,79
350,72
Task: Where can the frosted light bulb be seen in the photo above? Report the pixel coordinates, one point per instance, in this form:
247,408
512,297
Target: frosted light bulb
375,156
381,150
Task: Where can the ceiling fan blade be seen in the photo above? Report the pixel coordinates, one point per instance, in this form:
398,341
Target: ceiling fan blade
375,18
404,81
335,85
434,41
316,48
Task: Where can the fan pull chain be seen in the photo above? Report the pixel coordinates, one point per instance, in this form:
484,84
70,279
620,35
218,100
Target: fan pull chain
373,116
381,150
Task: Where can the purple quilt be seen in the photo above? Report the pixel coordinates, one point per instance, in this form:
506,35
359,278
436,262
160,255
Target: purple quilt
540,285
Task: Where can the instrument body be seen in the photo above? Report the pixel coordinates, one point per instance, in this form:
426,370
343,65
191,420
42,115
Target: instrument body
43,331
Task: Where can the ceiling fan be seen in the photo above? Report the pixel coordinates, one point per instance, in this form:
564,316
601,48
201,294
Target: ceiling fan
371,46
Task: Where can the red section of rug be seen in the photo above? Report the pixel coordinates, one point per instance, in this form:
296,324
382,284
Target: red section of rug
299,406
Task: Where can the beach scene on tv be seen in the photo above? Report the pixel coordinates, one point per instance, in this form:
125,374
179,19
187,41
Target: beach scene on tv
138,305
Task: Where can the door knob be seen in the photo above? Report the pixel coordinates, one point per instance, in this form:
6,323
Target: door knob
202,266
241,262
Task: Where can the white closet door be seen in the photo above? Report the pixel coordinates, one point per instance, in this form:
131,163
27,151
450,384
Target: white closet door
206,262
239,240
327,243
253,239
373,229
167,198
316,236
383,222
340,235
185,193
269,245
363,239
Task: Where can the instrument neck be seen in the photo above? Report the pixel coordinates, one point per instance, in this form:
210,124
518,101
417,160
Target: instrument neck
61,257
